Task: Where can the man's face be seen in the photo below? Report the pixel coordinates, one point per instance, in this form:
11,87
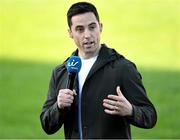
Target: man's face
85,31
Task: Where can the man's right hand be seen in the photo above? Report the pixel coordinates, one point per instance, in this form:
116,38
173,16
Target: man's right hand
65,98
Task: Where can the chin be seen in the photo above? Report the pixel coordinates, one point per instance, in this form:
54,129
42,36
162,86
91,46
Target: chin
90,50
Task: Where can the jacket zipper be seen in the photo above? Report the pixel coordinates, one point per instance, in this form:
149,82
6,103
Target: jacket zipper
79,118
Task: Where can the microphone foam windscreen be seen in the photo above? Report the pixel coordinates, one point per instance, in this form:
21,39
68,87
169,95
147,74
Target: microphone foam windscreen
73,64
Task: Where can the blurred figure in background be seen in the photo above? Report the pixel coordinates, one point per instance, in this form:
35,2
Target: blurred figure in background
108,93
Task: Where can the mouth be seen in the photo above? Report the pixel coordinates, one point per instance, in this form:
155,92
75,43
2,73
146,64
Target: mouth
88,44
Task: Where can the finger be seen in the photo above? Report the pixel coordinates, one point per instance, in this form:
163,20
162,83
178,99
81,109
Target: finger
111,112
62,105
119,91
111,102
74,92
69,101
109,106
71,97
113,97
66,91
63,96
66,104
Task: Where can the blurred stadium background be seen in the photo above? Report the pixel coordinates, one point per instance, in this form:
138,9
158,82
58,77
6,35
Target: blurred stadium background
34,39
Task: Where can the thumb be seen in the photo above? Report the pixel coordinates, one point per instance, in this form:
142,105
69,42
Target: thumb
119,91
74,92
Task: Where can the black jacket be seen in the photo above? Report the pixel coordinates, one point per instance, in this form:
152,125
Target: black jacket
110,70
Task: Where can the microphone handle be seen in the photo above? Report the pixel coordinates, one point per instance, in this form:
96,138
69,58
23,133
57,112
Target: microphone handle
70,84
70,81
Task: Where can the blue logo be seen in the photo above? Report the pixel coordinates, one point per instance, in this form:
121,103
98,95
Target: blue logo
73,64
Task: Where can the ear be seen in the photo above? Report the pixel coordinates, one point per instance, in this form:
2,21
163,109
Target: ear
70,33
101,26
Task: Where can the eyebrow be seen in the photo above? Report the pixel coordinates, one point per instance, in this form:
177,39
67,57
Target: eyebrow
93,23
79,26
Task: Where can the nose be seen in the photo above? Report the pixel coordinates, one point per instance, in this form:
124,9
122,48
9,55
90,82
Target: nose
87,33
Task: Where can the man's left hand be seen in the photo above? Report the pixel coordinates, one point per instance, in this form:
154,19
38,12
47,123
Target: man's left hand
117,104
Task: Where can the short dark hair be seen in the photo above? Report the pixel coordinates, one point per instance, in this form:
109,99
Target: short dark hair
80,8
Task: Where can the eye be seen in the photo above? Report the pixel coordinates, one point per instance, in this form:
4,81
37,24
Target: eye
80,29
92,27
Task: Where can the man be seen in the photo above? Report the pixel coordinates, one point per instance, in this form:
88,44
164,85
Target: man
108,94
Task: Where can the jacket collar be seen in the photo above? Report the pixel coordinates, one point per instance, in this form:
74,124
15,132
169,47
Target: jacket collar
105,56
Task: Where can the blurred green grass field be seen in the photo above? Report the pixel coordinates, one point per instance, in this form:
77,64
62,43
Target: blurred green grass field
34,39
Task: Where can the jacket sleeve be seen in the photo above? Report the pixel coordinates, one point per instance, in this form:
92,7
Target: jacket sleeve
144,113
51,116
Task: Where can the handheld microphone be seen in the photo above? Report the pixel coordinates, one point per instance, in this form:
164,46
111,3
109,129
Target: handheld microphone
73,67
